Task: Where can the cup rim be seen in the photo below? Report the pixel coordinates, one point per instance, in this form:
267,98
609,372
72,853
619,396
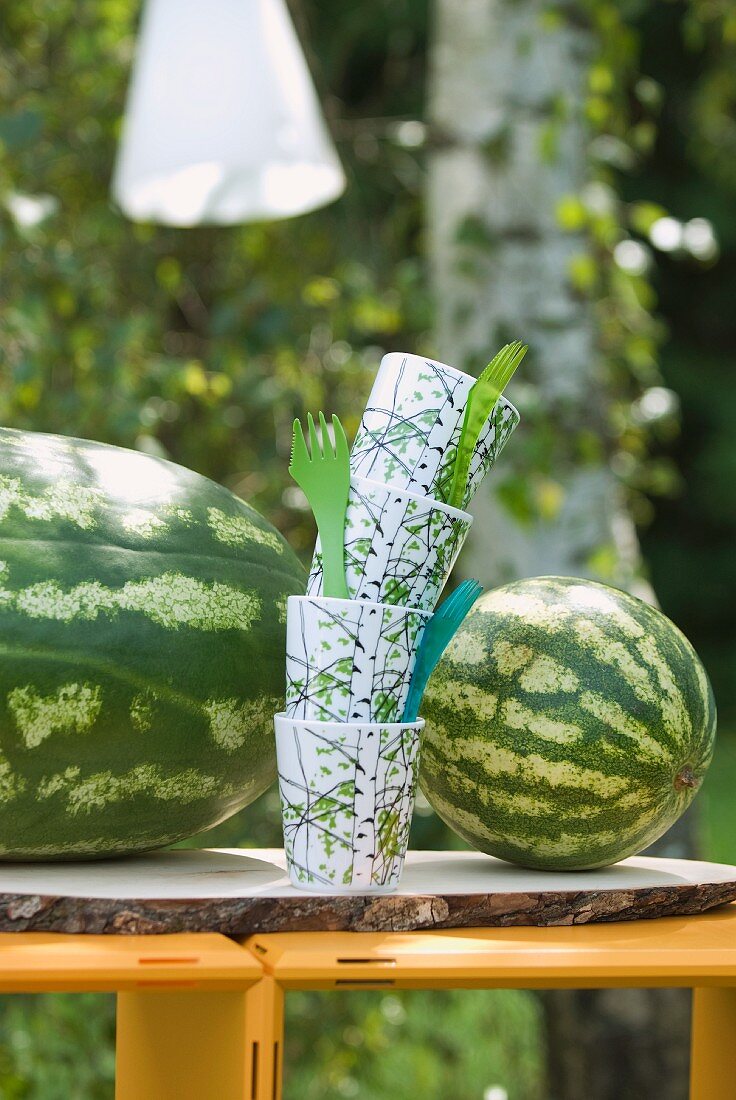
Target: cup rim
456,513
445,366
282,717
427,359
362,603
511,405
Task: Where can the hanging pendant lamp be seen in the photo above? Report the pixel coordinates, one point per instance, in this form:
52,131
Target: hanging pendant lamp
222,121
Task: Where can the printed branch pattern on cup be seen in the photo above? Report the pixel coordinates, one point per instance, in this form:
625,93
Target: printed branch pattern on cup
399,548
411,427
349,660
502,422
347,796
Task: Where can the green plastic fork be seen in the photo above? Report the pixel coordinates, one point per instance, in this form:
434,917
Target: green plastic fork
481,402
324,477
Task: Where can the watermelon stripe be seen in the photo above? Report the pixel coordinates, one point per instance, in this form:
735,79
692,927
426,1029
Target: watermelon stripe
88,662
553,733
171,600
668,709
541,841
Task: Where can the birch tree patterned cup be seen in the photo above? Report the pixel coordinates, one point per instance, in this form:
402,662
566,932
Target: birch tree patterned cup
411,426
399,548
347,797
349,660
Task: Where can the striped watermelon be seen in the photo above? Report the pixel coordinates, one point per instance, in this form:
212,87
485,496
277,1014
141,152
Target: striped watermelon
142,633
568,725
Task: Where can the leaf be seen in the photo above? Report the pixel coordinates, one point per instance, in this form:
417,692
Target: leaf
583,272
571,213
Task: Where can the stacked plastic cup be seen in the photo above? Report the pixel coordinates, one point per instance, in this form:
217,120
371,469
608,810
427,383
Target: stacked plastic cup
347,761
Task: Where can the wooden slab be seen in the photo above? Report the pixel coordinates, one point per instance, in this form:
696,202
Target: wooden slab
241,891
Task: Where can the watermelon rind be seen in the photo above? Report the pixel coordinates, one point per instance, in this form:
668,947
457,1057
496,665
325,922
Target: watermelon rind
568,725
142,634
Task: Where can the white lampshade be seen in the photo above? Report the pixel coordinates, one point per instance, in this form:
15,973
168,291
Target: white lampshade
222,123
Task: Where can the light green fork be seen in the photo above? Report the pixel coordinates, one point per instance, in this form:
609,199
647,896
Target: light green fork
324,477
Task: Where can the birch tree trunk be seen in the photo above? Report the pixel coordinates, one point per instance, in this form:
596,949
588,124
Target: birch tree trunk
507,90
506,107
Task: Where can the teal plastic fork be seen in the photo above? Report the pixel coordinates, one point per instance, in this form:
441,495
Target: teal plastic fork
437,634
324,477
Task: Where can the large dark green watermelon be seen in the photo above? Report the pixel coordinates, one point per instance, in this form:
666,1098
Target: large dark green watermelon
568,725
142,626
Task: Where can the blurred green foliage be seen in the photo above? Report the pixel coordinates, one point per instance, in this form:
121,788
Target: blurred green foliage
57,1047
438,1046
690,544
203,345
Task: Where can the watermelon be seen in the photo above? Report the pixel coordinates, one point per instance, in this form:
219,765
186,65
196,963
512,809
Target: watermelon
568,725
142,635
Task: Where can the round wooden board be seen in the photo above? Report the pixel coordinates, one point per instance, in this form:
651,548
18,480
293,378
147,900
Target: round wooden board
239,892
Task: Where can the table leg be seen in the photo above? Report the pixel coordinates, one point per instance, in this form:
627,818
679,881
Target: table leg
190,1045
266,1010
713,1052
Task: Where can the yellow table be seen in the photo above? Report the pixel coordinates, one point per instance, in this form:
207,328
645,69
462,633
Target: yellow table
695,952
189,1006
200,1015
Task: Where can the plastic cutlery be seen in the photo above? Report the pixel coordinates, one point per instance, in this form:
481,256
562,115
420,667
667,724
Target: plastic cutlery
481,402
437,634
324,475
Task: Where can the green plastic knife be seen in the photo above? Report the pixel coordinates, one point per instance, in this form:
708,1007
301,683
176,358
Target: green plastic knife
481,402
